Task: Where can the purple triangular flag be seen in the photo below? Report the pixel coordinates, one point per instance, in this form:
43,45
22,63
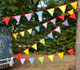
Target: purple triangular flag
22,61
65,23
45,25
28,16
53,21
17,18
58,29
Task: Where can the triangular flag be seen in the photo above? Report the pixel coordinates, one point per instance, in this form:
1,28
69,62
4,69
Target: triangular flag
37,28
73,16
65,23
62,16
63,8
30,31
28,16
51,57
51,11
42,41
31,60
17,18
58,29
34,46
71,12
27,51
39,15
74,4
70,51
22,61
61,55
19,56
50,35
15,35
22,33
53,21
45,25
6,19
41,59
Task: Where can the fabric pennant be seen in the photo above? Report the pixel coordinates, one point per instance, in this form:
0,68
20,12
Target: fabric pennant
51,57
17,18
18,56
71,12
63,8
37,28
51,11
53,21
50,36
6,19
65,23
34,46
28,16
22,33
62,16
31,60
73,16
74,4
22,61
26,51
15,35
71,51
42,41
45,25
41,59
58,29
30,31
61,55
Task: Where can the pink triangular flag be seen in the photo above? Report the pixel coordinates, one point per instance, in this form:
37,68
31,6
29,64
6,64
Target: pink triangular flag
45,25
19,55
6,19
71,51
17,18
73,16
22,61
58,29
28,16
53,21
61,16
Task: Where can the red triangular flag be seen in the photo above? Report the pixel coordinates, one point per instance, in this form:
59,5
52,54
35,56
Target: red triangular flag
19,55
6,19
71,51
73,16
61,16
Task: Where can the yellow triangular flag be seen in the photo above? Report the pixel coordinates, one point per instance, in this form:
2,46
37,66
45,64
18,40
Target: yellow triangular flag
71,12
30,31
61,55
22,33
35,46
63,8
51,11
74,4
51,57
27,51
15,35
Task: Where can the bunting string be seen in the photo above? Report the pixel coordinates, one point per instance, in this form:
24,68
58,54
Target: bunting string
43,40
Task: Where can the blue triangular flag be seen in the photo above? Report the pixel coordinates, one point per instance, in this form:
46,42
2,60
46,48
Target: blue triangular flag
40,15
65,23
37,28
50,35
31,60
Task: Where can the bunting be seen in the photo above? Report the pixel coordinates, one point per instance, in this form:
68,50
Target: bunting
62,16
61,55
45,25
73,16
65,23
53,21
34,46
15,35
63,8
58,29
22,33
22,61
30,31
70,51
26,51
31,60
17,18
37,28
50,35
18,56
28,16
6,19
41,59
71,12
51,57
42,41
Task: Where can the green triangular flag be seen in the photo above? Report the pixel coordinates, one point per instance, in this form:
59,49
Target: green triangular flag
42,41
41,59
30,31
51,11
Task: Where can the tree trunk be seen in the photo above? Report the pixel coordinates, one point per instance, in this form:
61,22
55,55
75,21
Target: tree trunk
77,62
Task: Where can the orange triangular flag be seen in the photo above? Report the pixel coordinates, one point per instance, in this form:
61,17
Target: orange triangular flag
15,35
73,16
61,16
6,19
19,55
70,51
